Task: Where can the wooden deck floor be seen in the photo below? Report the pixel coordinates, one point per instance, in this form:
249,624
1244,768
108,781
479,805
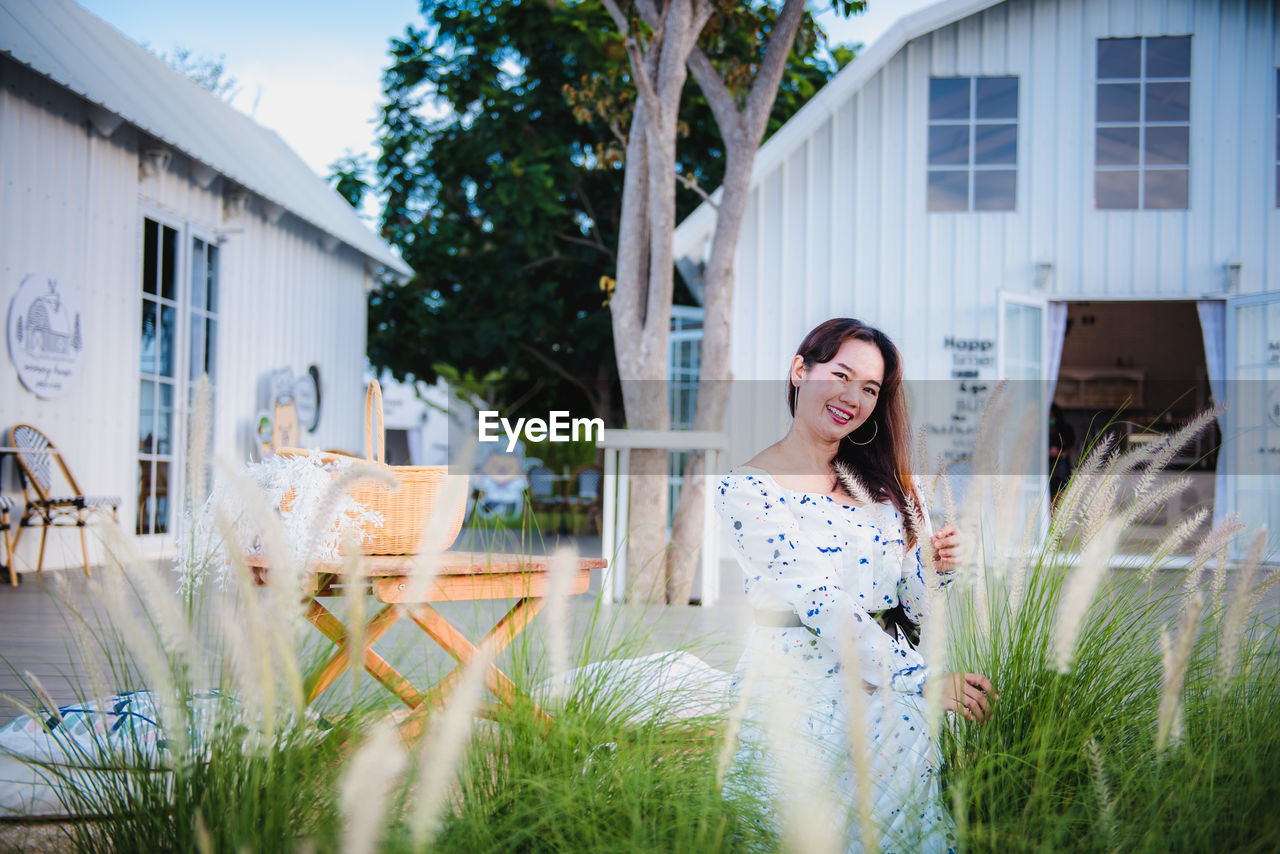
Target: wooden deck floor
38,636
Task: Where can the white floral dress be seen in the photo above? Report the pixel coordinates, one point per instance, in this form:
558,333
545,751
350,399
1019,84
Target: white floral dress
834,566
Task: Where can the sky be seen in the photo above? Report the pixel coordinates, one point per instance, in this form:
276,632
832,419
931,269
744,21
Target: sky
311,69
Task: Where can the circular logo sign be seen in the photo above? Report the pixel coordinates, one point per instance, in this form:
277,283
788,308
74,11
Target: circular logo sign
45,335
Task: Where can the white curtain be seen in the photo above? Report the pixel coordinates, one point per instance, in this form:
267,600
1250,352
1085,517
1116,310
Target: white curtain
1057,333
1213,326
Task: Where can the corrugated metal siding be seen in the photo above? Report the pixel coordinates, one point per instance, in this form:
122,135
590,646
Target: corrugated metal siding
916,273
72,205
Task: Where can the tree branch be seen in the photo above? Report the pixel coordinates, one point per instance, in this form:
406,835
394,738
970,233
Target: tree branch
693,185
591,214
644,86
617,132
581,241
649,12
532,351
723,106
619,19
765,88
640,74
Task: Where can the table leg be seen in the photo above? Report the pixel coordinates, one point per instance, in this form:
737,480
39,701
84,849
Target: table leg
495,640
332,628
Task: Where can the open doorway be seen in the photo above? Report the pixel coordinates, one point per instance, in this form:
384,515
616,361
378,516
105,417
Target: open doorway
1136,370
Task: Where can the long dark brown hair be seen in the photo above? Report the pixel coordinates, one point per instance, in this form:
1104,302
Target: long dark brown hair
883,465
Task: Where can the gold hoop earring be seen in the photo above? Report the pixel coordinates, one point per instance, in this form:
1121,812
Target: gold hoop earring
875,432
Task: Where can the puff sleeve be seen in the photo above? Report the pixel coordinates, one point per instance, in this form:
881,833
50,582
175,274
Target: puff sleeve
784,565
912,586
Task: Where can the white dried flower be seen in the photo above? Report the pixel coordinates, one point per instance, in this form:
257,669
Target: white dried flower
859,726
1238,611
561,571
1079,591
1175,658
306,491
1173,540
365,788
1163,451
1215,541
1101,788
444,745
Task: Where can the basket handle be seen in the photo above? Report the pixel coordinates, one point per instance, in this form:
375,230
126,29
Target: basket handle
372,404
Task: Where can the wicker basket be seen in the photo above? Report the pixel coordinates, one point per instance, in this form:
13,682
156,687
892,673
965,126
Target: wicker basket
405,510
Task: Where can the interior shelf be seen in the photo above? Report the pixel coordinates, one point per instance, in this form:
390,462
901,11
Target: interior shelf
1099,388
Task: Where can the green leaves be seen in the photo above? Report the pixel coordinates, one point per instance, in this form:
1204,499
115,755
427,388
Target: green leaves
502,144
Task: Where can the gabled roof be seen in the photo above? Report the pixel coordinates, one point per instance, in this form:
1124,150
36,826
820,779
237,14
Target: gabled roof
699,225
73,48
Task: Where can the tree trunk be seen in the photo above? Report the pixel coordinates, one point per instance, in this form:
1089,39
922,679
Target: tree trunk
742,132
714,378
641,306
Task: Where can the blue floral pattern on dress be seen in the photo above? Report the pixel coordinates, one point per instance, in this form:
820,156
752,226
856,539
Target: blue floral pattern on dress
835,566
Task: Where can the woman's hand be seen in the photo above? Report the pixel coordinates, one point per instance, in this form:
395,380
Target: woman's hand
946,548
969,694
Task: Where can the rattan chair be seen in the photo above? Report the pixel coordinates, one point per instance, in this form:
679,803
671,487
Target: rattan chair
543,494
6,504
36,456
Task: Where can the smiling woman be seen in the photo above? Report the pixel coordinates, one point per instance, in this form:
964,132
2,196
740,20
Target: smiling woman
827,526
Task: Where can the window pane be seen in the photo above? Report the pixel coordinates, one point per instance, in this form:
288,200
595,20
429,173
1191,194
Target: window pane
997,98
146,416
147,363
1168,102
1165,189
164,419
212,289
1119,58
1116,190
995,144
949,191
167,334
211,348
1118,102
1168,146
948,144
199,276
196,361
995,190
150,255
169,264
949,97
162,499
1117,146
1169,57
144,497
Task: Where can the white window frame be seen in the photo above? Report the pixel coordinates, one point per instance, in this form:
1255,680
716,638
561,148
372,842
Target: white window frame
183,386
1143,125
972,123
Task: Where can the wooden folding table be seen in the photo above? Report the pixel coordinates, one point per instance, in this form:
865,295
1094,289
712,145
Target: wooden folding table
462,576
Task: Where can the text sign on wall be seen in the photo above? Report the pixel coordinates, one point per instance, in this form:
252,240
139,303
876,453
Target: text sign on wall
954,407
45,335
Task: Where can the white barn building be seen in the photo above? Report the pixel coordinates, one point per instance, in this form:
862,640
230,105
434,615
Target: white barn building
1079,192
150,233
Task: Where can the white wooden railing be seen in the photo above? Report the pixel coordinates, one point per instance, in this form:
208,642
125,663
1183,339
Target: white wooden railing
618,445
